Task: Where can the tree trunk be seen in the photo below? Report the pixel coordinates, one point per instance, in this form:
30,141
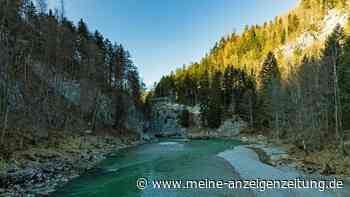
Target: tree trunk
337,107
95,112
251,118
277,127
337,116
5,126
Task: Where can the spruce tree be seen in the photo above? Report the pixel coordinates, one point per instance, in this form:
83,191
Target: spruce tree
215,102
344,83
228,83
269,87
135,87
109,63
332,56
121,61
166,87
204,88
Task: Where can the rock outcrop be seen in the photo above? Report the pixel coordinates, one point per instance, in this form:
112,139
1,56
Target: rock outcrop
165,122
164,118
324,28
231,128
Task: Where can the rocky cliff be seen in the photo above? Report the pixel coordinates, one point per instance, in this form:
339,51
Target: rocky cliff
164,117
165,122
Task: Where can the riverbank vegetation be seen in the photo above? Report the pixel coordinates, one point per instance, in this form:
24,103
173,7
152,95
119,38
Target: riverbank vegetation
275,79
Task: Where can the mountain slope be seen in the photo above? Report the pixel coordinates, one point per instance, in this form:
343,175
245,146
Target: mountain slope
301,31
289,76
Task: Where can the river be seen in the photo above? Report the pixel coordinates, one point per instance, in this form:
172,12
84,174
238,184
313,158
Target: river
173,159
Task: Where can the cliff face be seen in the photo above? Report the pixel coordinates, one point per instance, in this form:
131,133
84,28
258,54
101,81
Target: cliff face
164,117
317,36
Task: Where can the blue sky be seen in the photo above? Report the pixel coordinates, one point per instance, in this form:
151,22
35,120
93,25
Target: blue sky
163,35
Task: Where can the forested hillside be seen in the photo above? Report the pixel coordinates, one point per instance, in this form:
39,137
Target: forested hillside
58,76
289,76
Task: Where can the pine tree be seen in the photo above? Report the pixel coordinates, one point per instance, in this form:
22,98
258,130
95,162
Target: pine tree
135,87
204,88
215,102
269,88
228,83
166,87
332,56
9,26
83,49
189,88
344,83
100,58
109,63
249,100
121,61
269,72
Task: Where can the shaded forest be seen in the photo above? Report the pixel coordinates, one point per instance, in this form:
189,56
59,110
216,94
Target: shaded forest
56,75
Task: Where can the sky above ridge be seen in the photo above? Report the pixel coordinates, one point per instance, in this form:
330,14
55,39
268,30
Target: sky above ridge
163,35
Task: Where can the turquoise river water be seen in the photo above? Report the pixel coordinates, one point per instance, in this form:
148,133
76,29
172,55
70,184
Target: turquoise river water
175,159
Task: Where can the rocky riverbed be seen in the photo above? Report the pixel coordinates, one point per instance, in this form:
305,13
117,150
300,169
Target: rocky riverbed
283,154
269,159
38,171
